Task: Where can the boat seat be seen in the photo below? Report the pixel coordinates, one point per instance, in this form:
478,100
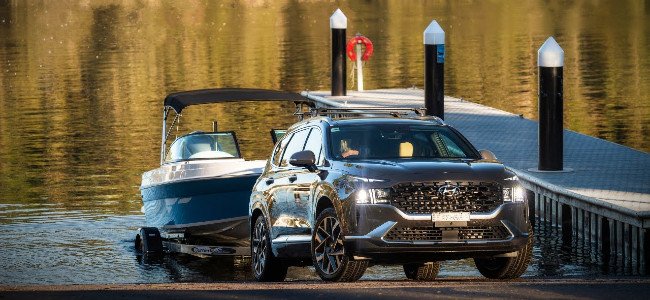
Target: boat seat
197,144
194,147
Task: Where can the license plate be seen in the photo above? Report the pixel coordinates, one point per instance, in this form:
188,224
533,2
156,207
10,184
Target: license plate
449,216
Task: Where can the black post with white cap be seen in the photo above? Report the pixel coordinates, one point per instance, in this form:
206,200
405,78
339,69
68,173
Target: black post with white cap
550,59
434,70
338,25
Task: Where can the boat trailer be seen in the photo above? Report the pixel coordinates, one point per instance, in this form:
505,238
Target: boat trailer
149,241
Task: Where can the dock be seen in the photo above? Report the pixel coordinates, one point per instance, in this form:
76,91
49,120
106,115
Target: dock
602,197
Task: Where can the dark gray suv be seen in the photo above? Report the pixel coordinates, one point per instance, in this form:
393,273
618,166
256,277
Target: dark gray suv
343,194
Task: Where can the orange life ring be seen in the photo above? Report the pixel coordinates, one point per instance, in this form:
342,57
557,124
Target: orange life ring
359,39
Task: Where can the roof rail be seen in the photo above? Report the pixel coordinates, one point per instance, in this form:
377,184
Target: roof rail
355,112
367,111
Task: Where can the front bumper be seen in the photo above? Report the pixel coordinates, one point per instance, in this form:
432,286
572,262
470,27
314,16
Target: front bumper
383,232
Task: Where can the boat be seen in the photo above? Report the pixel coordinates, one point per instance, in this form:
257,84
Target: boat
197,200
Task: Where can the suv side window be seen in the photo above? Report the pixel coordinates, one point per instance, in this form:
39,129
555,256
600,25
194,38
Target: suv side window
297,143
277,153
315,144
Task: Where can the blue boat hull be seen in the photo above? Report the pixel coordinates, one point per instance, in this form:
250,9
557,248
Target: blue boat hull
206,210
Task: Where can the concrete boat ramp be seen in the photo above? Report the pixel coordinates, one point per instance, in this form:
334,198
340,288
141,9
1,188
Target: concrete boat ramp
460,288
608,185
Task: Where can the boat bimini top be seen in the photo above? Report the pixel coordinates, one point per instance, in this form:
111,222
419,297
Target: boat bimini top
180,100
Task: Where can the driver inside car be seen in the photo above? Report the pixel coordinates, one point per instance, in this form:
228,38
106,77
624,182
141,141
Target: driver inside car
347,150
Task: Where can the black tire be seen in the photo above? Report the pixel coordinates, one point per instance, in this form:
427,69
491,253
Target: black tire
328,252
422,272
264,265
507,267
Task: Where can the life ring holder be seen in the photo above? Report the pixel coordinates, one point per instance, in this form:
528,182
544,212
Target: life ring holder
359,39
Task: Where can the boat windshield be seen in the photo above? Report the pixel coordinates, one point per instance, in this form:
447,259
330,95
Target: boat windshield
398,141
204,146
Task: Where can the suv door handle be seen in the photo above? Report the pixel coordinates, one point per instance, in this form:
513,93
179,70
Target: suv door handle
293,178
269,181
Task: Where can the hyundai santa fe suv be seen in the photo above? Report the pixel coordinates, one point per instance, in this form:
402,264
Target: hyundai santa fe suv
343,194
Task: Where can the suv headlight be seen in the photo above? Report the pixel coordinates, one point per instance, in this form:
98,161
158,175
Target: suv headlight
514,194
373,196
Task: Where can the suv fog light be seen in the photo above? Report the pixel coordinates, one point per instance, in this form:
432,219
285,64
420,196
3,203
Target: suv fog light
373,196
380,196
518,194
514,194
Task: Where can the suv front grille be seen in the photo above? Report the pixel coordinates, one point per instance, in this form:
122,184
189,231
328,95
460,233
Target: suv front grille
434,234
424,197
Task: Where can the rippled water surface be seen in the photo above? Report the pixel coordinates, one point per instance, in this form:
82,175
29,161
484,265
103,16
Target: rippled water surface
82,83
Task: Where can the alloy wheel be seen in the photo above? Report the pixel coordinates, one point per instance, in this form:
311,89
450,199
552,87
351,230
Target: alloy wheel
258,247
329,249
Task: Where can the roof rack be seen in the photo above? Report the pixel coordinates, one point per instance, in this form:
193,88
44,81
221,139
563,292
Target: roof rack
373,111
342,112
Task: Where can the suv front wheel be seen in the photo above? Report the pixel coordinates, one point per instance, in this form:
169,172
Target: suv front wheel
507,267
422,272
328,253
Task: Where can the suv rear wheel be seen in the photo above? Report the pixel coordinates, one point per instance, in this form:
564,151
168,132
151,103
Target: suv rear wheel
328,253
507,267
266,267
422,272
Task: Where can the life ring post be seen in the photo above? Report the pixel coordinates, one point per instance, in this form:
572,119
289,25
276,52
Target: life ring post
434,70
338,25
359,66
353,48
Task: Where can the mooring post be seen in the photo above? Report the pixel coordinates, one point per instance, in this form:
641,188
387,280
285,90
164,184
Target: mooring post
550,60
434,70
338,25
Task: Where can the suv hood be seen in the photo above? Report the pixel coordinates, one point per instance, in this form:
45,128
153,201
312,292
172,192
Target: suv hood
393,172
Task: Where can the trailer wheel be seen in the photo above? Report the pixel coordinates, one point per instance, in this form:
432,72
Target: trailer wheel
148,241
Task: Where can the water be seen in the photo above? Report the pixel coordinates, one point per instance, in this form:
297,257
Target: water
82,82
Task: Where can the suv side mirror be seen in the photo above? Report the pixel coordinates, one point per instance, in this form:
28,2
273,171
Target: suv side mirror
487,155
305,159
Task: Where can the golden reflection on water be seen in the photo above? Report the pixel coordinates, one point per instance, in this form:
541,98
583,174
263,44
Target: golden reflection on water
82,82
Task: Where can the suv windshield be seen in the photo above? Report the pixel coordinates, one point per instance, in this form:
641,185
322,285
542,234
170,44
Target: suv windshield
398,141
